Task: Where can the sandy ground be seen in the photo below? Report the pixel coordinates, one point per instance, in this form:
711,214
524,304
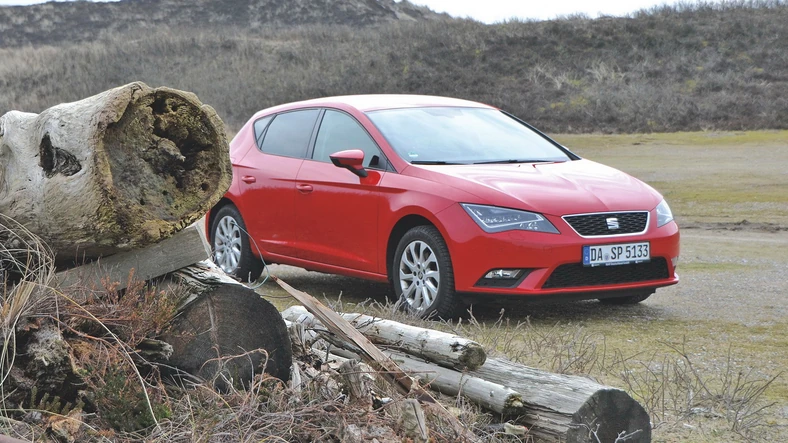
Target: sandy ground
731,276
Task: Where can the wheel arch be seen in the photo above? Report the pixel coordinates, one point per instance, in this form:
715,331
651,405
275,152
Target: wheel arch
212,216
402,226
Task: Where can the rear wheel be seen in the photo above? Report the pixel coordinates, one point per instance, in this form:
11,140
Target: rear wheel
422,274
631,299
231,247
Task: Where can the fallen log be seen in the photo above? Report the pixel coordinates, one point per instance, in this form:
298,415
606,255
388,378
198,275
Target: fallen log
114,172
493,396
555,407
222,330
570,408
444,349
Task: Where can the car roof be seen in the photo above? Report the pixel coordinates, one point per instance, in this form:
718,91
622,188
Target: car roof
375,102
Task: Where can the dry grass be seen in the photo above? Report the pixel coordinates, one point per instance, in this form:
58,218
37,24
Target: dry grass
26,268
687,67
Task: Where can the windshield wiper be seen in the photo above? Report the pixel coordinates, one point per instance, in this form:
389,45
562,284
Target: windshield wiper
511,160
435,162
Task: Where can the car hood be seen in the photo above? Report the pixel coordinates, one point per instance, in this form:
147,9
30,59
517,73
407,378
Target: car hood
571,187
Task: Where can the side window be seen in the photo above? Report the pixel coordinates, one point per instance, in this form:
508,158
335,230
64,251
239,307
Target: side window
339,132
289,133
259,129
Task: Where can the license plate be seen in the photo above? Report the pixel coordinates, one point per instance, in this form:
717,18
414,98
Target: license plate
621,254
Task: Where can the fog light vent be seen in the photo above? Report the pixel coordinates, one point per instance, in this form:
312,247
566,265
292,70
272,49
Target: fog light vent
504,273
503,278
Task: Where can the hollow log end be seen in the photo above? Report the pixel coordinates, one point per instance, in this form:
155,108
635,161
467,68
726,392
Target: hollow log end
607,415
167,163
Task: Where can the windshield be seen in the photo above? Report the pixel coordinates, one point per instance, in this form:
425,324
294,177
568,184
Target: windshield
449,135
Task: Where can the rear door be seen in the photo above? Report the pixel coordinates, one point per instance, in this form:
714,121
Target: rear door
336,210
268,176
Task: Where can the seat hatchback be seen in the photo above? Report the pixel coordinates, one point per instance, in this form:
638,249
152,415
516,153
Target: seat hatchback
446,199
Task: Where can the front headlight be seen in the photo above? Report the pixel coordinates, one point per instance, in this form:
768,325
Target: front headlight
664,216
494,219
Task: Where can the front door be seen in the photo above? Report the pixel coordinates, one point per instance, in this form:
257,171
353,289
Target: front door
336,210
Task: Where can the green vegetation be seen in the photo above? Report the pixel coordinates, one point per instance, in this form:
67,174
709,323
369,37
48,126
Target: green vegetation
703,66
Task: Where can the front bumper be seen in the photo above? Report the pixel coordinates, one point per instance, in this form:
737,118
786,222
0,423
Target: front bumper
553,261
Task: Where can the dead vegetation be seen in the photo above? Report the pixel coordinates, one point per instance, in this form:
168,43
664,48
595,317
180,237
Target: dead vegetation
85,376
121,398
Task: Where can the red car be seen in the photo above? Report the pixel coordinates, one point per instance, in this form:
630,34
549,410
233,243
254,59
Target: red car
444,198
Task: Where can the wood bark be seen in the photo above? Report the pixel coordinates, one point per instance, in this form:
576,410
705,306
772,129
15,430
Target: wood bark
569,408
114,172
447,350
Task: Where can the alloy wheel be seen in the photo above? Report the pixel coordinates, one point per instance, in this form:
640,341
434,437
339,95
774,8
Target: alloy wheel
419,276
227,244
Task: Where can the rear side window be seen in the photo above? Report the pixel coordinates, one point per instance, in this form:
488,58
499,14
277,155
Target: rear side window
289,134
259,129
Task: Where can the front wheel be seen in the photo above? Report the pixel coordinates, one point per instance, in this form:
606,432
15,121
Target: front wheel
631,299
422,274
231,247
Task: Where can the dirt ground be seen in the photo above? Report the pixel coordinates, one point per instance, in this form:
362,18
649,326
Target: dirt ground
730,310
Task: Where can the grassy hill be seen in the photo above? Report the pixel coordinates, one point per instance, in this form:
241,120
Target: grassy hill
688,67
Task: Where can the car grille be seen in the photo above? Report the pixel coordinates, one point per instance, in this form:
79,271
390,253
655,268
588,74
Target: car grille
576,275
593,225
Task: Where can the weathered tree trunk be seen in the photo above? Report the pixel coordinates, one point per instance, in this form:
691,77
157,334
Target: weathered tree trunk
224,330
447,350
568,408
117,171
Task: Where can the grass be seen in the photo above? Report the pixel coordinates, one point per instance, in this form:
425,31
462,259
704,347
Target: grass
706,177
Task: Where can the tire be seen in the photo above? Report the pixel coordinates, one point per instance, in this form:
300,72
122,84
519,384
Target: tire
422,275
632,299
231,248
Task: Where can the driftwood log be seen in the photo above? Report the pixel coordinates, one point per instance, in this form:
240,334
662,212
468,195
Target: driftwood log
117,171
444,349
555,407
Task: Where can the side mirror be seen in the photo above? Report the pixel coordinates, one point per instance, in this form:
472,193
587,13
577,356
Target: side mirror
352,160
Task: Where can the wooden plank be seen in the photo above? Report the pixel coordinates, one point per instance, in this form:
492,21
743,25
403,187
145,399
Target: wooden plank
183,249
444,349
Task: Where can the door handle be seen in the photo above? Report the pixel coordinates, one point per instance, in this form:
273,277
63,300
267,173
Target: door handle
304,188
248,179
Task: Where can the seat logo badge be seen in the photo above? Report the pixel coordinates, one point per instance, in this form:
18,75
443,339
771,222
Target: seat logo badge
612,223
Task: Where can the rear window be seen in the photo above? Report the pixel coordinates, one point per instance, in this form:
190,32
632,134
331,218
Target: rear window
289,134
